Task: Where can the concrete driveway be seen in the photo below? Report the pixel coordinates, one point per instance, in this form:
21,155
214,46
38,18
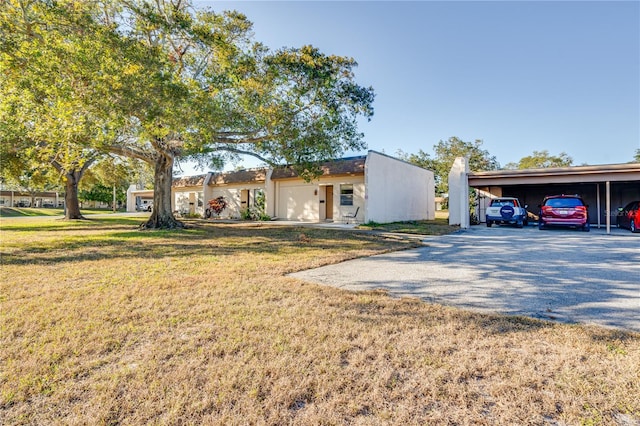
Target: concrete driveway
559,274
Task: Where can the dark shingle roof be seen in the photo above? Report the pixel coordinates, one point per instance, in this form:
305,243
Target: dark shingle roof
341,166
189,181
240,176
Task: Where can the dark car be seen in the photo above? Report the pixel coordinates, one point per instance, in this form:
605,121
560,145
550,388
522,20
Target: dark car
564,210
629,216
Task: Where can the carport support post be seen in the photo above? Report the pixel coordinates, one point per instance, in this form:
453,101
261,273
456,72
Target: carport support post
608,204
598,202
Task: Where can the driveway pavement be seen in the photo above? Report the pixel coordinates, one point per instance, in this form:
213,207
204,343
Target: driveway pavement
558,274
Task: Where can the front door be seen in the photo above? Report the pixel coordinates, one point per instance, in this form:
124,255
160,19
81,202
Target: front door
329,202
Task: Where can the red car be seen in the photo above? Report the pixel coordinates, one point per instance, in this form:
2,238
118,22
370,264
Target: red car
629,216
564,210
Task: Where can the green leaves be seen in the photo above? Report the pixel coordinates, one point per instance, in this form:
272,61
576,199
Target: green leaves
540,160
446,153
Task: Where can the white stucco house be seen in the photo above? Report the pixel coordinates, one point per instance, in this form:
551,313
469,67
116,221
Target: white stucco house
369,188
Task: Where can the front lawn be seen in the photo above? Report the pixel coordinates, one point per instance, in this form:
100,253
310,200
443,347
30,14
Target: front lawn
103,324
29,211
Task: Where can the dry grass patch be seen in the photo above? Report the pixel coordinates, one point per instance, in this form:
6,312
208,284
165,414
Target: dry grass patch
102,324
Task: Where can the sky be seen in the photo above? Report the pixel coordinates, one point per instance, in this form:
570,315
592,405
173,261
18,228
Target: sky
521,76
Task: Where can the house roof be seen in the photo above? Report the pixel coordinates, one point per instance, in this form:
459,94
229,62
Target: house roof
49,194
340,167
584,174
239,176
185,181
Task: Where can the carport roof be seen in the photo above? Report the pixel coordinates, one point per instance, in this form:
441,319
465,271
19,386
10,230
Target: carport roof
601,173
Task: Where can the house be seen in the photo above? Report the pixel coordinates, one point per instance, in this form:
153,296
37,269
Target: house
31,199
373,187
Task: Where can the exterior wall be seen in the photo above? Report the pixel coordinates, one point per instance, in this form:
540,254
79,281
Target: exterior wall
299,200
188,200
233,196
270,195
459,193
397,191
19,199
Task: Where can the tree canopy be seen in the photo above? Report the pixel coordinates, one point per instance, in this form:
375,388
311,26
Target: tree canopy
446,153
541,160
163,82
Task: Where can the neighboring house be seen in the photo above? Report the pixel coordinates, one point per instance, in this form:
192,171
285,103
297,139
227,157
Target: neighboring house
26,199
373,187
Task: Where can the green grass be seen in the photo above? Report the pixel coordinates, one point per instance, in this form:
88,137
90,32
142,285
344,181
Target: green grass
103,324
28,211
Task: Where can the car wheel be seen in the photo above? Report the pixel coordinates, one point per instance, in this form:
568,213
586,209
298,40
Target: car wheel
540,224
489,223
586,227
519,224
632,225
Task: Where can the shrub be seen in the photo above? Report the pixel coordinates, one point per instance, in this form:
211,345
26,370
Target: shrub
216,205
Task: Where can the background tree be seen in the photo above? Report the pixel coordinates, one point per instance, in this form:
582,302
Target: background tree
22,171
51,57
541,160
637,156
111,173
445,154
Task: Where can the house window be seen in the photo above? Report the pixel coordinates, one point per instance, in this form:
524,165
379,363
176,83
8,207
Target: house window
346,195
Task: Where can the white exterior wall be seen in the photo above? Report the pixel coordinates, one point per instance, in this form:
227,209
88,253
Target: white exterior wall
397,191
299,200
231,194
188,200
459,193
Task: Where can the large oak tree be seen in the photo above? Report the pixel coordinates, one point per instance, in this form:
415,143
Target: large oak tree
163,82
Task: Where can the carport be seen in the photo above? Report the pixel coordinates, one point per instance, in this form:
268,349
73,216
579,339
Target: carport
604,188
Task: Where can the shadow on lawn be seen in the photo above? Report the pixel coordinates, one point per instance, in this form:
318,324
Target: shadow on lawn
198,239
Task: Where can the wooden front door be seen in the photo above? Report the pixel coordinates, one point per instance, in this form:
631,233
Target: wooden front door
329,202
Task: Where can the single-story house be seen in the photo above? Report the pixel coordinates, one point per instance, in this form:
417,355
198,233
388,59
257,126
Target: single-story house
604,188
27,199
373,187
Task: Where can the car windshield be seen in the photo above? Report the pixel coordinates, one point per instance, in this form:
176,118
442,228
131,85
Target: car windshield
563,202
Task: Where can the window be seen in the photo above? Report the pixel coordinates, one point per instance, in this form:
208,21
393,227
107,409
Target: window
346,195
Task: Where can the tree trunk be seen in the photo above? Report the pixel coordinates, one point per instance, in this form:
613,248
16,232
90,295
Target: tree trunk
72,205
162,215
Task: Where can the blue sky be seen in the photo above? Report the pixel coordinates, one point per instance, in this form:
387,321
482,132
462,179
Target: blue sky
521,76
